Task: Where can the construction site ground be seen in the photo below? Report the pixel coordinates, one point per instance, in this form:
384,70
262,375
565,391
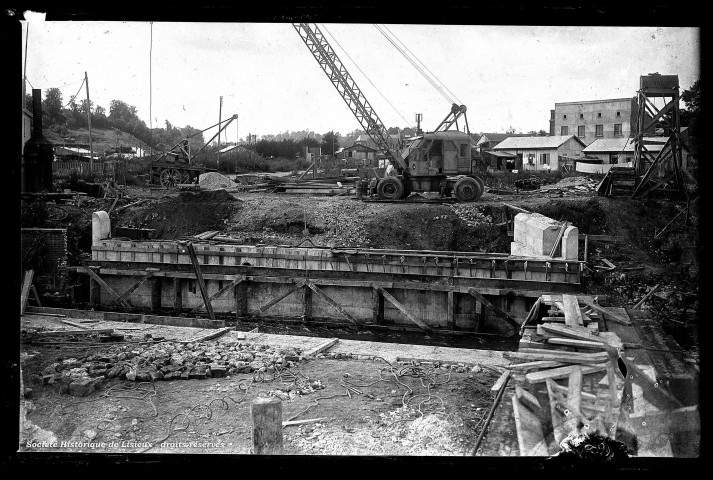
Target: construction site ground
128,417
360,424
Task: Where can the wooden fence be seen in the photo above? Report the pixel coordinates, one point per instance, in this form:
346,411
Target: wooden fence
111,169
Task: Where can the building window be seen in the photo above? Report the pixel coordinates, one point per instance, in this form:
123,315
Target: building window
618,114
599,115
544,159
564,130
581,115
617,130
580,131
599,131
613,158
564,117
463,148
531,158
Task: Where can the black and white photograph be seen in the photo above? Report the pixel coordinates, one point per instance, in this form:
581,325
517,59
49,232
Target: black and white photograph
476,238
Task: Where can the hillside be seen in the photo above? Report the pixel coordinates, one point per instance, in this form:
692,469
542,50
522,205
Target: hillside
103,139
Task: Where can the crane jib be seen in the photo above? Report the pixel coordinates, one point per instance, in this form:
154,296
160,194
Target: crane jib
346,86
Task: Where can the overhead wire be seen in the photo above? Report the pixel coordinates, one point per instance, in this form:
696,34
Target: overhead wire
416,66
362,72
423,64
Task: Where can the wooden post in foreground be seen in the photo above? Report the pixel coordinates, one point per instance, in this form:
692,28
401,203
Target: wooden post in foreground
266,416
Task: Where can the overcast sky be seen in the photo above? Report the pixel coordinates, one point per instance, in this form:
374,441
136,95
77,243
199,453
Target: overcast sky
505,75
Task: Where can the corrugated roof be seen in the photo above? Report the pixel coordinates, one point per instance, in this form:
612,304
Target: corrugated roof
500,154
535,142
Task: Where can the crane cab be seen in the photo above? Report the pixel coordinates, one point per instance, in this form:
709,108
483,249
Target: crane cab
439,154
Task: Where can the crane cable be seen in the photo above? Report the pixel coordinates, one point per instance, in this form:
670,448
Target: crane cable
362,72
71,99
423,64
416,66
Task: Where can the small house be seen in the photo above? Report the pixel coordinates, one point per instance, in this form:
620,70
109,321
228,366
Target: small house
542,153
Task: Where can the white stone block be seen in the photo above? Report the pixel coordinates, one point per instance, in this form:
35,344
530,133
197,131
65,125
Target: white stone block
101,226
570,243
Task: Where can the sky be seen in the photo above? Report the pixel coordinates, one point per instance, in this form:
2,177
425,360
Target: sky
507,76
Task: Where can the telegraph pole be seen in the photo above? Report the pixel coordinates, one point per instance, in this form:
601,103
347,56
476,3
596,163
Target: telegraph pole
89,123
220,116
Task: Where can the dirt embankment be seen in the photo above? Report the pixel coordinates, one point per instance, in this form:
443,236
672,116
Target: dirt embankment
185,215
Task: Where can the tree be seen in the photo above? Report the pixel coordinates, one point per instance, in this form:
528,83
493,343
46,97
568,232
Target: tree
691,117
330,142
52,107
542,133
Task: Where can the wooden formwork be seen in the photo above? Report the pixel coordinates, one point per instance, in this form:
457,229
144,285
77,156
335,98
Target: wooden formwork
428,289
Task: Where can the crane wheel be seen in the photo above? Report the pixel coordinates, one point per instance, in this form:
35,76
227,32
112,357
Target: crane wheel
467,189
390,188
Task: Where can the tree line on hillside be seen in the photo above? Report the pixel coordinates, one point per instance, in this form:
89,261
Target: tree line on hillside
60,117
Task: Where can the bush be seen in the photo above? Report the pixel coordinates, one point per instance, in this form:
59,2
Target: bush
247,161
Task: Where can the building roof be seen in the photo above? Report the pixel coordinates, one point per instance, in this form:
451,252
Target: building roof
75,150
498,137
500,154
583,102
230,148
359,146
535,142
623,145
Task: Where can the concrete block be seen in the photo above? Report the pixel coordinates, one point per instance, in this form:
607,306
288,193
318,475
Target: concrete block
570,244
101,227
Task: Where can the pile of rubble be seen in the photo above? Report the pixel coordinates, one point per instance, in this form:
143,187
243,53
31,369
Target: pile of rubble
571,186
214,181
471,215
166,361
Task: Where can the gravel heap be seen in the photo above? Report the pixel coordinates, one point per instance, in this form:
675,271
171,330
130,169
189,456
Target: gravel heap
214,181
166,361
471,215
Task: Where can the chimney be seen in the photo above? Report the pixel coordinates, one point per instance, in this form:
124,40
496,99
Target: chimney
37,113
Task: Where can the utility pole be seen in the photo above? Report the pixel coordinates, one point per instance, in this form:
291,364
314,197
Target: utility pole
89,123
220,115
419,116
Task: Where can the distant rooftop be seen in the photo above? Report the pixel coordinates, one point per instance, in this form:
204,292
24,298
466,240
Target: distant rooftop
534,142
611,100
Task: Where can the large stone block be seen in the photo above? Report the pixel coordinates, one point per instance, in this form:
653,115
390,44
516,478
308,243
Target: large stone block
101,226
535,234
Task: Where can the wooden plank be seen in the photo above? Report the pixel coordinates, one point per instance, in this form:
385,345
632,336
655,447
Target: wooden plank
528,400
401,308
35,295
302,422
561,372
559,356
481,298
74,324
101,282
330,301
500,381
320,348
29,274
686,419
530,438
571,342
280,297
199,278
572,313
534,365
583,334
596,356
76,332
209,336
574,395
607,315
219,293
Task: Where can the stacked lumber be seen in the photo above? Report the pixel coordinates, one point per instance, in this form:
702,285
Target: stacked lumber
571,380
